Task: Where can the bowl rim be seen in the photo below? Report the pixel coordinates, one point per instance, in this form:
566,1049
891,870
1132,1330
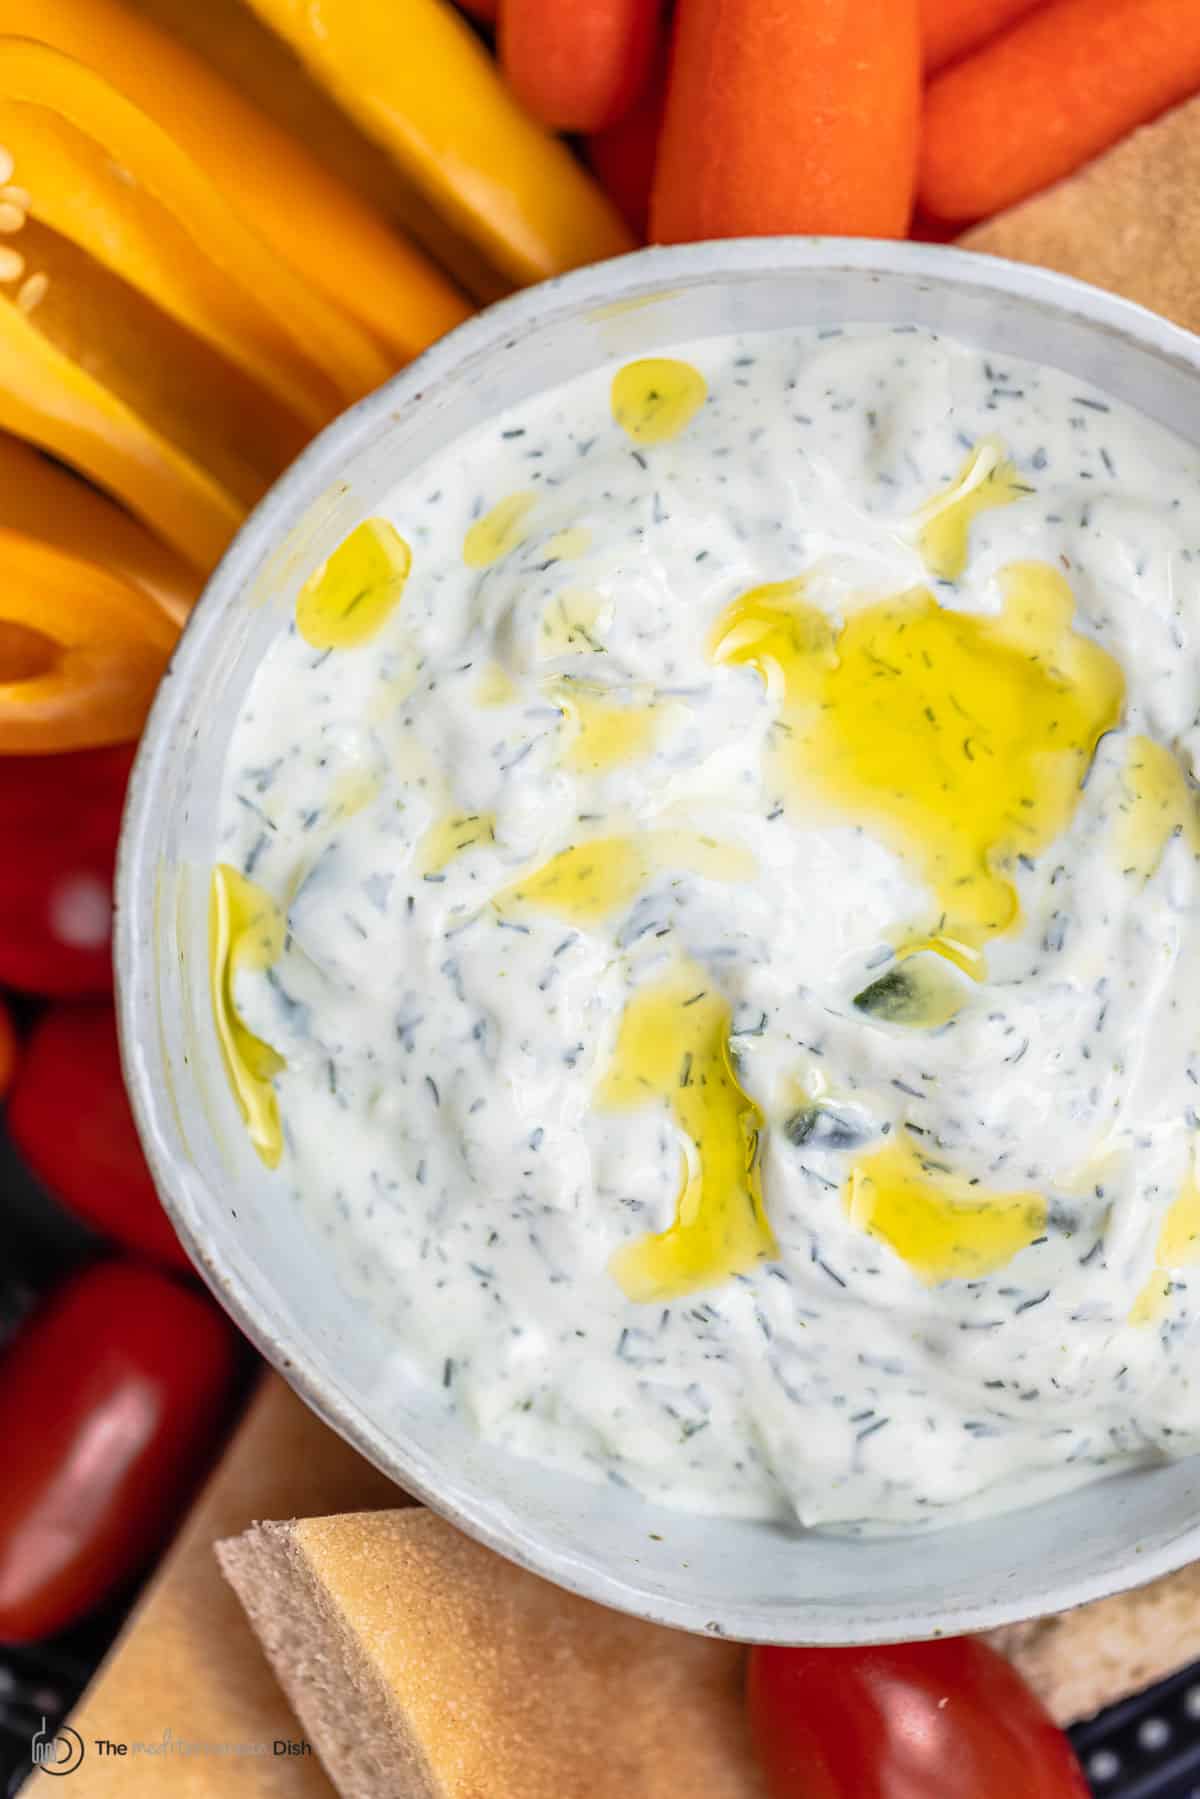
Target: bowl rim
297,489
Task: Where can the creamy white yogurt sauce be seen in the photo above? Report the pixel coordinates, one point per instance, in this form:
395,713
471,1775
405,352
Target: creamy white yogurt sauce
954,1211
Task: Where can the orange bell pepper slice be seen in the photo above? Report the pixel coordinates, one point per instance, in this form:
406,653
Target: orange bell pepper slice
42,500
330,238
81,650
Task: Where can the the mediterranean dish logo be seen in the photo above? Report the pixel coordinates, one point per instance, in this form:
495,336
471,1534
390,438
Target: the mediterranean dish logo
56,1751
61,1751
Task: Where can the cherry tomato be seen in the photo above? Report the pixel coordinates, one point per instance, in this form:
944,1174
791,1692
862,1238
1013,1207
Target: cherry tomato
69,1117
945,1720
110,1397
8,1048
59,819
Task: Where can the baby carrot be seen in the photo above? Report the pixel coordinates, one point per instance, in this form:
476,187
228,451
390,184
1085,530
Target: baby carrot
623,155
1050,94
789,117
953,28
578,65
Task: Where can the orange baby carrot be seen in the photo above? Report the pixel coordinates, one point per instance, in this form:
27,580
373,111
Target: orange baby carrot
792,115
1048,95
623,156
953,28
578,65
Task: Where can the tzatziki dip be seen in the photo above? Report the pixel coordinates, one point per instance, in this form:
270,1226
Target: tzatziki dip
706,927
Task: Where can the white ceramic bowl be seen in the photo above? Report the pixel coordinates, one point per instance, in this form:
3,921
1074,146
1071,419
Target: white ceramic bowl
748,1580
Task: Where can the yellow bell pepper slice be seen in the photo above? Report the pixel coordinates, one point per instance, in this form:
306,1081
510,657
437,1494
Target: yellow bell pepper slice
43,501
267,73
76,187
37,75
418,80
52,401
330,238
202,404
81,650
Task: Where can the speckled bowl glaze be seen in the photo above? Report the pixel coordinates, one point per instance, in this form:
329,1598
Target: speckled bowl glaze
754,1581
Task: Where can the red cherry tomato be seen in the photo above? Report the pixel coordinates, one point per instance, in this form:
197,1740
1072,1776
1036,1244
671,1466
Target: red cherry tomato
945,1720
70,1120
110,1397
8,1048
59,819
